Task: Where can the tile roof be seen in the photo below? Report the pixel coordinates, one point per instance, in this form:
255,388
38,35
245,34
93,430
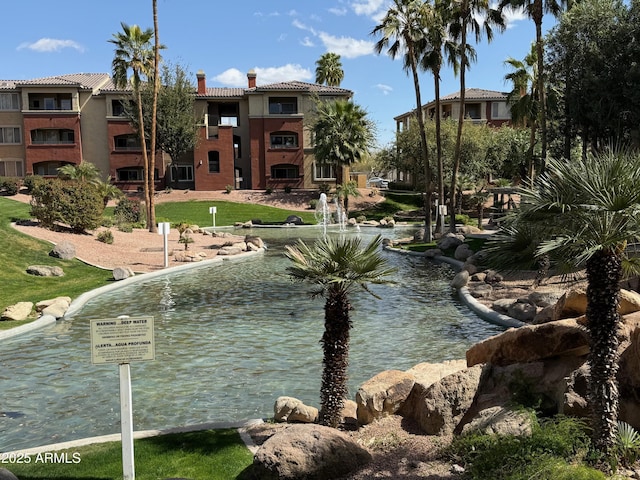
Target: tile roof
301,86
8,84
222,92
88,81
476,94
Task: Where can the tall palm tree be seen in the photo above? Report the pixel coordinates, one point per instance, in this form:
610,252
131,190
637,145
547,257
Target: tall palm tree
465,19
329,70
535,10
589,210
343,133
151,222
402,31
337,266
133,52
523,99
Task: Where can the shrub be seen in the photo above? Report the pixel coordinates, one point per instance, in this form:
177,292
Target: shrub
287,189
128,211
324,188
9,185
361,219
313,203
105,236
228,188
31,181
125,227
268,191
400,186
106,222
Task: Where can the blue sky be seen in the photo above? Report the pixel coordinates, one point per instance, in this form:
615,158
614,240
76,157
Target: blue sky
280,39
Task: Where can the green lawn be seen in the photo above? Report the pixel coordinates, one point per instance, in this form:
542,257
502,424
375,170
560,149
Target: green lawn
204,455
18,251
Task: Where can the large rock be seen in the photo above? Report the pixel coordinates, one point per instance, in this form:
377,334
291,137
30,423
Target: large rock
426,374
19,311
7,475
252,239
56,310
121,273
571,305
383,395
501,421
292,410
629,302
64,250
311,452
294,219
525,312
439,408
45,271
463,252
531,343
41,305
450,240
460,279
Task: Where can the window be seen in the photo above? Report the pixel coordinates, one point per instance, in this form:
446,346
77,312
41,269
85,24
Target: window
214,162
48,169
284,171
130,174
9,101
500,110
324,171
52,136
10,135
11,168
182,173
127,142
49,103
117,108
283,105
472,110
237,147
228,114
284,140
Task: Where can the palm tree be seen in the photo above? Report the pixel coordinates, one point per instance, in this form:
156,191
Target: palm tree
403,30
329,70
465,14
133,52
343,133
523,99
589,211
107,190
84,171
337,266
346,190
535,9
151,221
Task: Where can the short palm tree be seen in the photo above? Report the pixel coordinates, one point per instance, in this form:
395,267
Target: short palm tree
84,171
133,52
346,190
589,210
343,133
337,266
329,70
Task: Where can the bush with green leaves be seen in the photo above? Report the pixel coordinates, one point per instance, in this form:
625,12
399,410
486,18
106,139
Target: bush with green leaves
313,204
105,236
268,191
544,455
71,202
9,185
30,181
128,211
228,188
627,444
324,188
287,189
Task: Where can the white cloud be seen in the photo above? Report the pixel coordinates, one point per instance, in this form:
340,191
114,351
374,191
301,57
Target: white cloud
367,7
235,78
307,42
385,89
51,45
302,26
346,47
340,12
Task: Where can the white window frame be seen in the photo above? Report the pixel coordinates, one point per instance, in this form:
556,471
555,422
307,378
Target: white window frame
16,132
17,169
319,167
9,101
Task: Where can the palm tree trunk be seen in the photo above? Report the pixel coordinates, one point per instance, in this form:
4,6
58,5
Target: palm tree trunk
604,272
335,346
425,153
145,157
537,18
151,223
436,77
456,154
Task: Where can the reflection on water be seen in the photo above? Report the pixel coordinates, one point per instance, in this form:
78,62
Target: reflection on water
230,338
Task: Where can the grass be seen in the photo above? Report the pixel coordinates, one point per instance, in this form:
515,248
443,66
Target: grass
203,455
18,251
392,204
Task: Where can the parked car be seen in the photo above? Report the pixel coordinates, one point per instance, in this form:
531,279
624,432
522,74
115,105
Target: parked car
378,182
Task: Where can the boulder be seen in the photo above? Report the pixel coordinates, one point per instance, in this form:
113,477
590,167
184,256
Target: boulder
432,252
428,373
503,304
257,241
56,310
18,311
570,305
460,279
470,267
491,276
121,273
45,271
544,299
294,219
292,410
450,240
501,421
530,343
543,316
7,475
383,395
463,252
525,312
418,236
467,229
41,305
64,250
629,302
478,277
230,251
440,407
311,452
349,413
482,290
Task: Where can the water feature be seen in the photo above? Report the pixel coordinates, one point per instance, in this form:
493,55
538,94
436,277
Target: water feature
322,214
230,339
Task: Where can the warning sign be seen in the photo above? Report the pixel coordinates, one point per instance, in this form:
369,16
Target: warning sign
122,340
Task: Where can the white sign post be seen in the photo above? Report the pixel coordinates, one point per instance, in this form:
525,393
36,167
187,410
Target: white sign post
212,211
442,210
123,340
163,229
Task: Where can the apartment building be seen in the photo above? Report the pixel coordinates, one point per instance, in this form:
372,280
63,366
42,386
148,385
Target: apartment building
255,137
481,106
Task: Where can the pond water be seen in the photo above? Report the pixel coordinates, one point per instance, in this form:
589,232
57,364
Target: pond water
230,339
